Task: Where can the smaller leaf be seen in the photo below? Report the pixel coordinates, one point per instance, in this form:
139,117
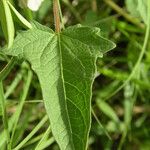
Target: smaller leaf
143,10
138,8
20,18
132,7
7,22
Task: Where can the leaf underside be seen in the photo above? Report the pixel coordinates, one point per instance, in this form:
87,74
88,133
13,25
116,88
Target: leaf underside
65,64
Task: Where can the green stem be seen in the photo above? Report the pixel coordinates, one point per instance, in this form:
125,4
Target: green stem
137,64
99,123
127,16
43,139
61,16
7,69
47,143
146,40
94,5
33,140
4,115
22,101
14,83
41,123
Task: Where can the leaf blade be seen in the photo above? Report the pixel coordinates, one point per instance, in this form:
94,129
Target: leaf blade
65,64
7,22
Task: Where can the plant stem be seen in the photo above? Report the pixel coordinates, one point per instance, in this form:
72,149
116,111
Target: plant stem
5,119
61,16
36,129
94,5
147,34
136,65
56,15
22,101
101,126
49,142
7,69
43,139
127,16
145,44
14,83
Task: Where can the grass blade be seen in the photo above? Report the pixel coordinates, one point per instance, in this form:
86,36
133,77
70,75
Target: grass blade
22,100
4,115
7,22
41,123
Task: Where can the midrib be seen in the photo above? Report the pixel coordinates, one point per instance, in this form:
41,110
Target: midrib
63,83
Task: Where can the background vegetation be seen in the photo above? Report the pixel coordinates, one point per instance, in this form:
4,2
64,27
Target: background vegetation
121,99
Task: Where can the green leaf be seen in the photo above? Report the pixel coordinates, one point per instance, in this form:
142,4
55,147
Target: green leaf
138,8
19,17
143,10
7,22
66,65
132,7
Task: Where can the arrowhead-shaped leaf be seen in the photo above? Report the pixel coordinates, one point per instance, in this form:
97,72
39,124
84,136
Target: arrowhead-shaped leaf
65,64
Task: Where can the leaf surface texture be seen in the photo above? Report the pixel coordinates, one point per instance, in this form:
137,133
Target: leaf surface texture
66,65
